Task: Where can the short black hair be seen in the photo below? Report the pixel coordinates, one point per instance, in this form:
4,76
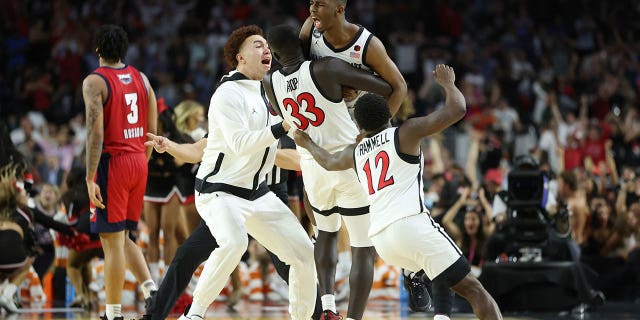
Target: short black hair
283,41
112,43
372,112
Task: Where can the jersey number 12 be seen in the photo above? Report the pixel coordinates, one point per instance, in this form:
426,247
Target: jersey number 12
382,161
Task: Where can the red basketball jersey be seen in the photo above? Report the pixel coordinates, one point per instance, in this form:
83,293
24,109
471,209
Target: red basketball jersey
125,110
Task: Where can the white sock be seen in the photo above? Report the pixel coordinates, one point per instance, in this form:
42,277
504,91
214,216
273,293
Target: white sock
147,287
197,310
407,273
315,231
10,290
328,302
441,317
351,319
154,268
114,310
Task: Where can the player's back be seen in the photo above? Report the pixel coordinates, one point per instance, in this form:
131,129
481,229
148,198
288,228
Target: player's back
125,110
393,179
303,104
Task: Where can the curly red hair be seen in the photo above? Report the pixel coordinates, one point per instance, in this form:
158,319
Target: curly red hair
237,37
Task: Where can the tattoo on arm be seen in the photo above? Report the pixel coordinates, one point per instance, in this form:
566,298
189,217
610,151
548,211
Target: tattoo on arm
95,127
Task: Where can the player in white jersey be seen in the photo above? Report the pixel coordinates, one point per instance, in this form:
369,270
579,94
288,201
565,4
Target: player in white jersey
231,191
309,95
389,165
327,33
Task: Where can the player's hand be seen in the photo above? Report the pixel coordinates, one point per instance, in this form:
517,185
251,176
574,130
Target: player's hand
302,138
159,143
361,136
349,93
94,194
444,75
286,126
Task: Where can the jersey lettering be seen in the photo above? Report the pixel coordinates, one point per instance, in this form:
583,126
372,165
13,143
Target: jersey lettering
300,109
292,84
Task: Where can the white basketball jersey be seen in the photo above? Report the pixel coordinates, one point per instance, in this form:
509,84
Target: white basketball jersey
353,53
327,122
392,179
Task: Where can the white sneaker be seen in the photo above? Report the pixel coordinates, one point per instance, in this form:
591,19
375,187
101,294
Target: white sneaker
193,317
8,304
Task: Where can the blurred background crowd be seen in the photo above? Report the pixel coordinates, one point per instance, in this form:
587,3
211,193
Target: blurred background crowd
554,80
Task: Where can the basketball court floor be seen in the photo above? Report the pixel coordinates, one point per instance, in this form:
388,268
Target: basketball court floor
377,310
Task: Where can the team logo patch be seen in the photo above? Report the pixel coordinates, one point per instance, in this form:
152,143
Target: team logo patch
125,78
356,48
316,33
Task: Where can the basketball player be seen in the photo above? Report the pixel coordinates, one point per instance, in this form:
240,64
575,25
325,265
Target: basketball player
120,110
389,165
308,94
326,32
232,195
198,247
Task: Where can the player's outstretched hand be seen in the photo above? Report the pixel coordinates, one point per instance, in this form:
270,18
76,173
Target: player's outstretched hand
444,75
159,143
302,138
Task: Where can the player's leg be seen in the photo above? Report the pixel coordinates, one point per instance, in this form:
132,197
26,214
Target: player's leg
320,192
224,215
420,237
280,190
137,166
481,301
151,211
195,250
363,257
274,225
110,224
114,270
353,204
170,222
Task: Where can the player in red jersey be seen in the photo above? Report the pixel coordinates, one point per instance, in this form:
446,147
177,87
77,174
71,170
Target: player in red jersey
120,109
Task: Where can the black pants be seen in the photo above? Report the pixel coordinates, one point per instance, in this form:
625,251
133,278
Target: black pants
194,251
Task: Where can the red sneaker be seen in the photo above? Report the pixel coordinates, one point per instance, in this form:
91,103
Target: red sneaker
330,315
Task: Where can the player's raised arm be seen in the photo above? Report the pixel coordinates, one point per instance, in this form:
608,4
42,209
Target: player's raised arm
413,130
305,37
382,64
338,161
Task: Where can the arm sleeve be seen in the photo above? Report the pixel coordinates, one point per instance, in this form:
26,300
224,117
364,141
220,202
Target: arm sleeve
287,143
231,115
48,222
29,239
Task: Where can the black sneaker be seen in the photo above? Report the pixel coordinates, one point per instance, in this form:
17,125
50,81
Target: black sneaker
419,298
147,305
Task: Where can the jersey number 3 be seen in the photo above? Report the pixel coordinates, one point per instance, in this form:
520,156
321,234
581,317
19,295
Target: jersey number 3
307,100
132,102
382,161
